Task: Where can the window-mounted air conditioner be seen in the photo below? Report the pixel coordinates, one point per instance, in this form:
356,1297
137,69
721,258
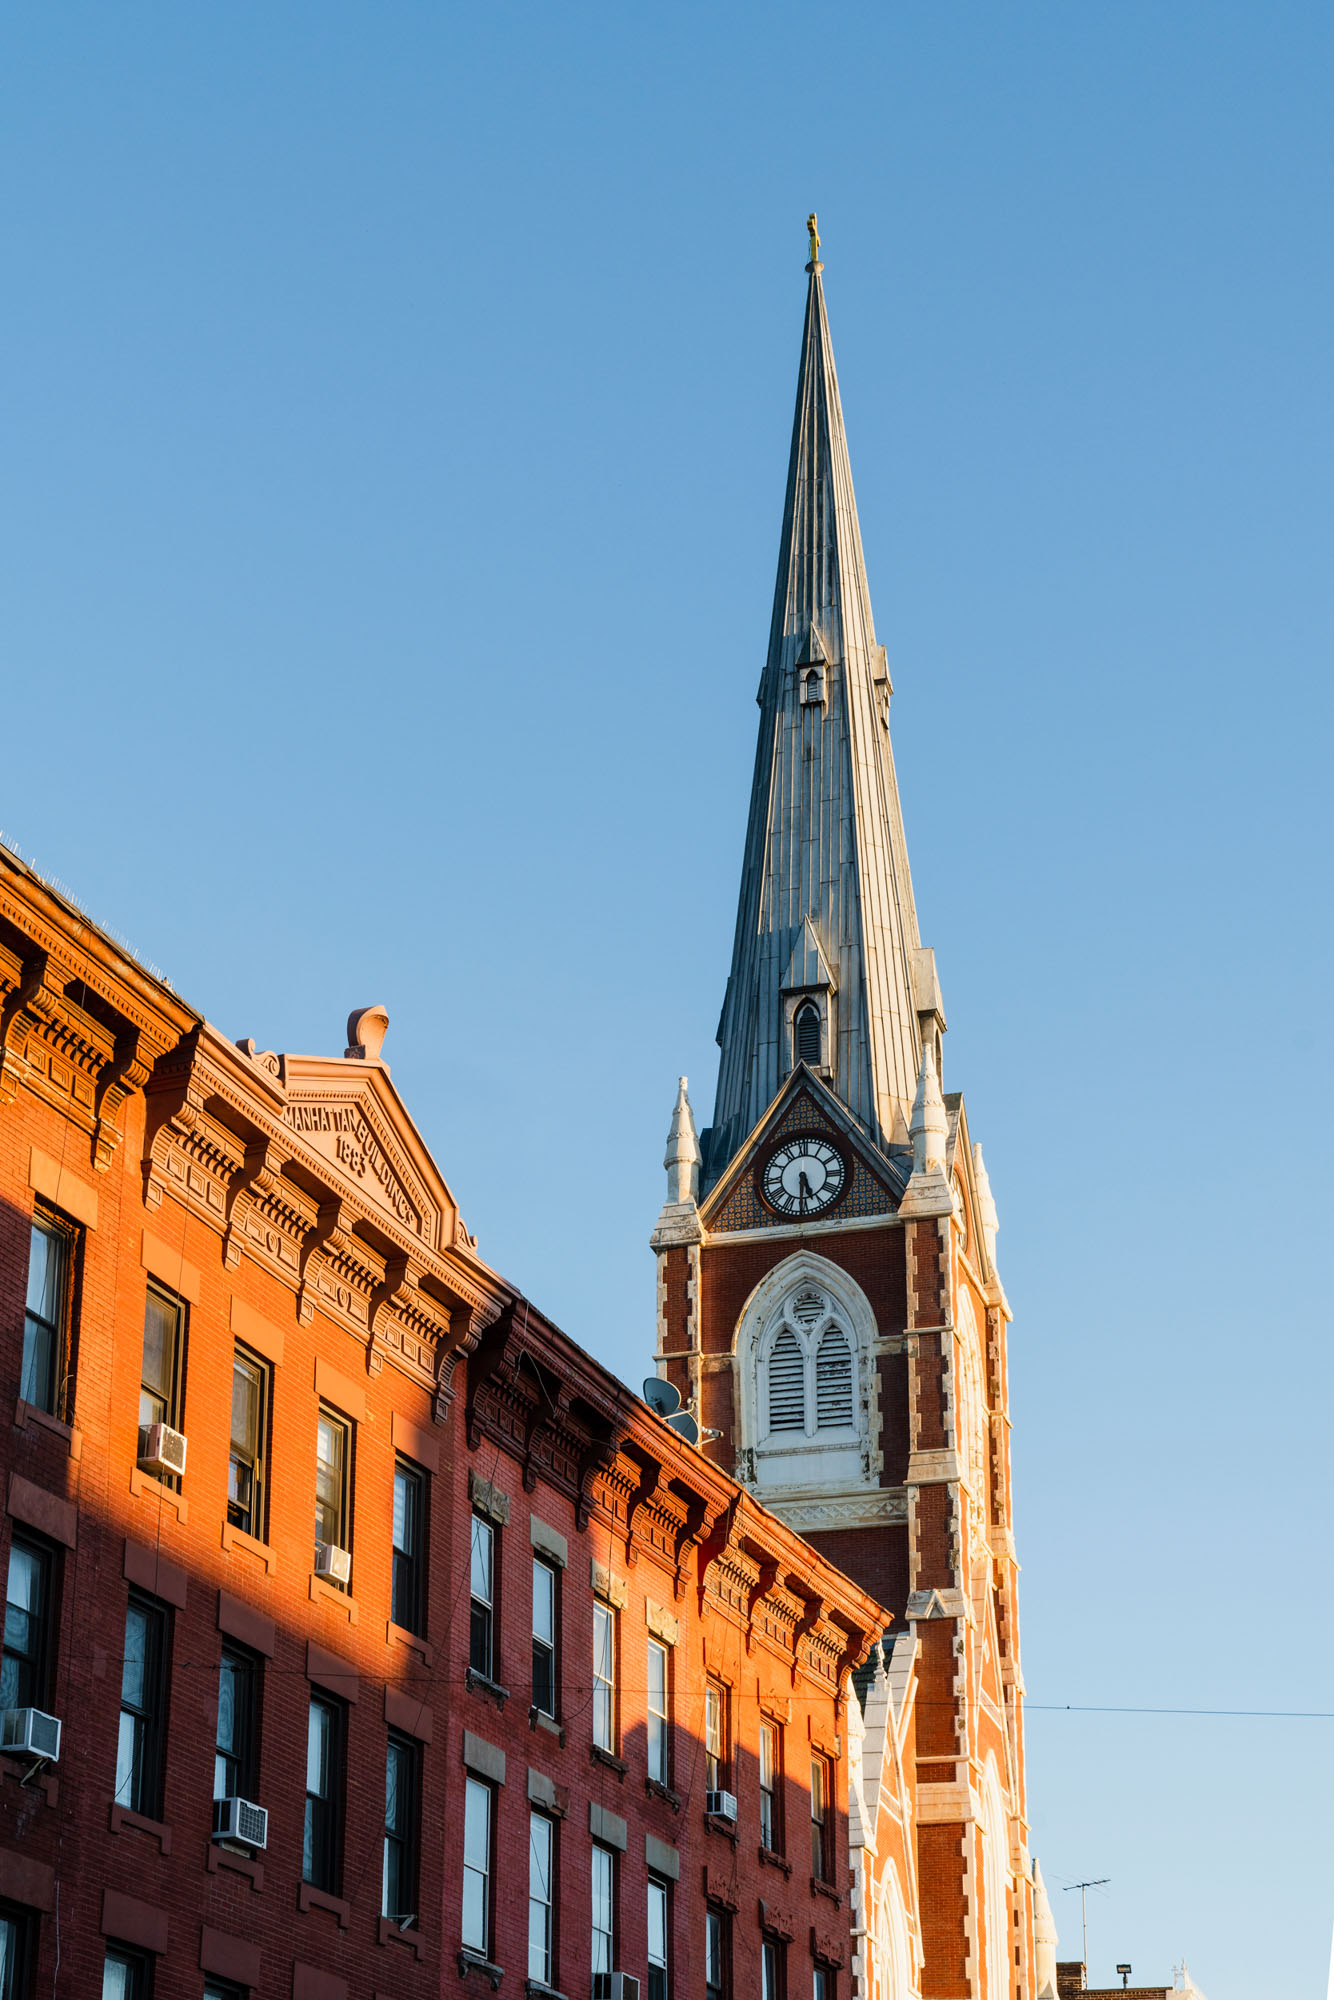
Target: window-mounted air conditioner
161,1450
615,1986
26,1732
721,1804
334,1563
237,1819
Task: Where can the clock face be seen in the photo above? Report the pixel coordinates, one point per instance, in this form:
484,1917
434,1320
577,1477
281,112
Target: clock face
803,1176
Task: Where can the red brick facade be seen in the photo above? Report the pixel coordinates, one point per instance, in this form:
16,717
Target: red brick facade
284,1211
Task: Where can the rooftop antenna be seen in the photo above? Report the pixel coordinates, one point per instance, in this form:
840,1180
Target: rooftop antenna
1083,1888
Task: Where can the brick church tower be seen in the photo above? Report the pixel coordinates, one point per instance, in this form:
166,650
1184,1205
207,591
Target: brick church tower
828,1301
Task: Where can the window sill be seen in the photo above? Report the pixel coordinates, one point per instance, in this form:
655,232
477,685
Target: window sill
489,1690
598,1755
399,1635
26,1414
236,1538
717,1824
771,1858
324,1592
472,1961
143,1482
45,1781
539,1719
310,1898
819,1888
121,1817
241,1864
537,1991
389,1932
657,1790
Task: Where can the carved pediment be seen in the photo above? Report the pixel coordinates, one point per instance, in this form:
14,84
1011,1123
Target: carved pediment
350,1114
873,1182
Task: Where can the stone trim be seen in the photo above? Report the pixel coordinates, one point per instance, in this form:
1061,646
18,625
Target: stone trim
661,1858
548,1542
486,1498
483,1759
53,1182
614,1589
608,1827
663,1624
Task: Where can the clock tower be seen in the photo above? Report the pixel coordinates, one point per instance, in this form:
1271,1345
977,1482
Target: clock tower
828,1298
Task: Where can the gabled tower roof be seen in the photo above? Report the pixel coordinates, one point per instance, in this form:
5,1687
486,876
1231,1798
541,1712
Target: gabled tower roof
825,858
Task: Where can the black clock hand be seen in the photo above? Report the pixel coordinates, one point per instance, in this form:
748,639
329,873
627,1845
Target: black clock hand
805,1188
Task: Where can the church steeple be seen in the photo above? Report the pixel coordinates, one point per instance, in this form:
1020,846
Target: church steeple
825,881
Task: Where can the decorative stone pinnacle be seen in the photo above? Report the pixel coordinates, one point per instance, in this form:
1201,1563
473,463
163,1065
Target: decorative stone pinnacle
682,1156
986,1204
928,1128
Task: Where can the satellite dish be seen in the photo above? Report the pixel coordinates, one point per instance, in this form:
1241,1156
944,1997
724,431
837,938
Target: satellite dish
661,1396
682,1422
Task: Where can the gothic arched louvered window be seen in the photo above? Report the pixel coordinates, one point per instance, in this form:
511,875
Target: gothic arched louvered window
833,1382
806,1034
787,1385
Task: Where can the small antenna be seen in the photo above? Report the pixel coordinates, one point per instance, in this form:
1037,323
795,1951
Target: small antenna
1083,1888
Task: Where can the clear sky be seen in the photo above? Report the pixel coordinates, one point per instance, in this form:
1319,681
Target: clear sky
395,411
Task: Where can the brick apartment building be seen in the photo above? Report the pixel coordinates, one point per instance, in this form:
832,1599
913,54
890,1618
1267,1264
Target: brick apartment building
525,1686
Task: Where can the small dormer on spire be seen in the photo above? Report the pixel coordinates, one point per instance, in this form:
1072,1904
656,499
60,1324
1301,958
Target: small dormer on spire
679,1221
929,1191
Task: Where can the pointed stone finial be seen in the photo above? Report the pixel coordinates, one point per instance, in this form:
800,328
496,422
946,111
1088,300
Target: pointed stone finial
366,1030
682,1156
679,1220
1045,1944
986,1203
929,1190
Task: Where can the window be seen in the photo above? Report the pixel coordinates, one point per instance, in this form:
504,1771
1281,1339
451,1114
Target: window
771,1821
477,1867
833,1381
541,1856
320,1856
15,1954
715,1738
787,1385
143,1702
332,1454
482,1630
806,1029
604,1675
604,1909
160,1382
46,1315
717,1954
124,1975
408,1582
398,1886
235,1772
659,1732
219,1989
246,1470
822,1846
822,1984
25,1665
773,1969
659,1931
545,1586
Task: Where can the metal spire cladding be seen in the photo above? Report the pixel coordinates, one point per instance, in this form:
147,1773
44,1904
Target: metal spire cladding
825,864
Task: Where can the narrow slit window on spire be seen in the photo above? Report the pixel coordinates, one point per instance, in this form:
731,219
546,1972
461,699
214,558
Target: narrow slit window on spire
806,1034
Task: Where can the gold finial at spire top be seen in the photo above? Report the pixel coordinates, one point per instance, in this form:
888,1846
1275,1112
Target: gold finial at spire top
813,231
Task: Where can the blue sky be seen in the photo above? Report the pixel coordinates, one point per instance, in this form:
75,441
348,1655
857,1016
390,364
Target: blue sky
395,404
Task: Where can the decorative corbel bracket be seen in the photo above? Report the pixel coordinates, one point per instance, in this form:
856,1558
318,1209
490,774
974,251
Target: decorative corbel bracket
812,1614
331,1236
697,1508
650,1474
759,1590
596,1458
31,975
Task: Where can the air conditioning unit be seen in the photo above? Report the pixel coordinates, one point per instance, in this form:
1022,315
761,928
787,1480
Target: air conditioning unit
615,1986
721,1804
26,1732
334,1563
237,1819
161,1450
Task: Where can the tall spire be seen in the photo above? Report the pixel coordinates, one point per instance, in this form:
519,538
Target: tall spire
825,851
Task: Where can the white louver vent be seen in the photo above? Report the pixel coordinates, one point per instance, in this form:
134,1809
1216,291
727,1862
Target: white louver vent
833,1382
787,1385
807,1307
